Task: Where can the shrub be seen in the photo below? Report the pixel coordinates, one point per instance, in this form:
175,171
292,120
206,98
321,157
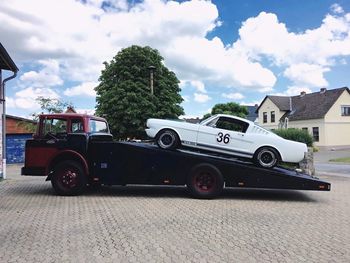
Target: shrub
295,135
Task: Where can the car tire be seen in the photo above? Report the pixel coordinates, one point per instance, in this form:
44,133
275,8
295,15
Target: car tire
168,139
205,181
68,178
266,157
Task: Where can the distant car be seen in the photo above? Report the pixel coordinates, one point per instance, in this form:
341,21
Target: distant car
229,135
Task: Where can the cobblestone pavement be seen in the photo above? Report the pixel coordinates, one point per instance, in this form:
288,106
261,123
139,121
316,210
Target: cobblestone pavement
154,224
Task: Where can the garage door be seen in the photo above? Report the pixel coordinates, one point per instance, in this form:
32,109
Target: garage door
15,144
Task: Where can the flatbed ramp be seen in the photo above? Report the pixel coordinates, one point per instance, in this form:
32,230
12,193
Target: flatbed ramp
140,163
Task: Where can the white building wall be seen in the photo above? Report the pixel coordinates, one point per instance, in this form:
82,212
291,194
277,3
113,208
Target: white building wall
337,131
268,107
310,124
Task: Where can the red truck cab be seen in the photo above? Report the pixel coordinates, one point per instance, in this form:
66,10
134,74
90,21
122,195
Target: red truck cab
53,140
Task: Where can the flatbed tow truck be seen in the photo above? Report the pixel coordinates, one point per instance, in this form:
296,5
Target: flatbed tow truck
75,151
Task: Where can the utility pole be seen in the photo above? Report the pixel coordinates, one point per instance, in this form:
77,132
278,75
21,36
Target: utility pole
151,76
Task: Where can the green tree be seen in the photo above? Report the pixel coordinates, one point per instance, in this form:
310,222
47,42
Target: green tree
124,96
48,105
230,108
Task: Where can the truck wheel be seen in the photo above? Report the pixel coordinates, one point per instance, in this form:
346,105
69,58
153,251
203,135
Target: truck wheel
266,157
68,178
167,139
205,181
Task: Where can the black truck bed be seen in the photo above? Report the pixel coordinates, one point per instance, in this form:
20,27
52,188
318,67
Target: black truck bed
124,163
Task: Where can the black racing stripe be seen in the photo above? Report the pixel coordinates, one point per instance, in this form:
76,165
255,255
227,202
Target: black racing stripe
227,150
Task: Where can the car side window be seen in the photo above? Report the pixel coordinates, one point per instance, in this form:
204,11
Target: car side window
77,126
232,124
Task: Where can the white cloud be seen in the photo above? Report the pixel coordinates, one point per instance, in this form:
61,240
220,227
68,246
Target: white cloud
293,91
186,98
69,40
265,36
86,111
201,98
233,96
199,85
80,46
337,9
85,89
48,76
26,98
307,75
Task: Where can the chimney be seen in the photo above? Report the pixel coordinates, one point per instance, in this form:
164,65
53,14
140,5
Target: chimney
302,94
323,90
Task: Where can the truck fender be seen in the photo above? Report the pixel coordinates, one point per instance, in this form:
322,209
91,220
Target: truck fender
66,155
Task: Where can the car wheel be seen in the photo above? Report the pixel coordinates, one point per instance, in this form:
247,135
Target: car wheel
167,139
205,181
68,178
266,157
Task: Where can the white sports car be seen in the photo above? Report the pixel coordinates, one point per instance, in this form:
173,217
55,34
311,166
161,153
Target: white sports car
228,135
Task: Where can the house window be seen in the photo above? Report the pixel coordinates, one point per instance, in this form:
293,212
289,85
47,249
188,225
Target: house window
264,117
345,110
272,116
315,134
305,129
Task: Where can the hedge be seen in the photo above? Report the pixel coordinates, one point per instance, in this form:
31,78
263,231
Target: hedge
295,135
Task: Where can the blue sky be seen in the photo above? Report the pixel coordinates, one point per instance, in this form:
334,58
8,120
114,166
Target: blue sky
221,51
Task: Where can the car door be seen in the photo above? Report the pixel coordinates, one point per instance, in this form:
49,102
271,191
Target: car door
224,134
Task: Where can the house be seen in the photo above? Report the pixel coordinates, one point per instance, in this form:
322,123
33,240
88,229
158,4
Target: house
18,131
324,114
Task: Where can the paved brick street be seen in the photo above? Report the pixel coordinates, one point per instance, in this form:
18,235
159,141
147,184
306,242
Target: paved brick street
153,224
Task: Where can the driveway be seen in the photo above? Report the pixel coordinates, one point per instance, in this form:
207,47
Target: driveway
323,166
163,224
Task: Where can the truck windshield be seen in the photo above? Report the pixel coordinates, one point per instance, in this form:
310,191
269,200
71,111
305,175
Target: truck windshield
98,126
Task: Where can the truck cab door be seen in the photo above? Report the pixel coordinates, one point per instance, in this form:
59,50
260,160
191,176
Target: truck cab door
51,136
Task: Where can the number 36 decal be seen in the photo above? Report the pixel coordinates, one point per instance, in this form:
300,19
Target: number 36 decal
225,138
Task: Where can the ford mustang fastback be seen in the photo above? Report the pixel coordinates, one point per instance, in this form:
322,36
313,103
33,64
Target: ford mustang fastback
228,135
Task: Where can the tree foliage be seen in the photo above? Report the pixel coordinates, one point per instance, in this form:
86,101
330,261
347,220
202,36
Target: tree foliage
48,105
124,96
230,108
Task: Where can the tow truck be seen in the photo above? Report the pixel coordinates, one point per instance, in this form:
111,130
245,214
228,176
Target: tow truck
75,151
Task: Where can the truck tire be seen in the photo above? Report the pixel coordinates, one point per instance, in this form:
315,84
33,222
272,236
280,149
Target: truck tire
205,181
266,157
68,178
167,139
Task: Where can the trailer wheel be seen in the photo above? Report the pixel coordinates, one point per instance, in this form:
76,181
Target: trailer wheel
68,178
205,181
266,157
167,139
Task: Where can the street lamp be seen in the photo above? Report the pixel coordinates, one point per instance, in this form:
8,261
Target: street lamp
151,73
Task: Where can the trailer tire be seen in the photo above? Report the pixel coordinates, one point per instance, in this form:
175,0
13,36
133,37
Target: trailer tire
68,178
167,139
266,157
205,181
